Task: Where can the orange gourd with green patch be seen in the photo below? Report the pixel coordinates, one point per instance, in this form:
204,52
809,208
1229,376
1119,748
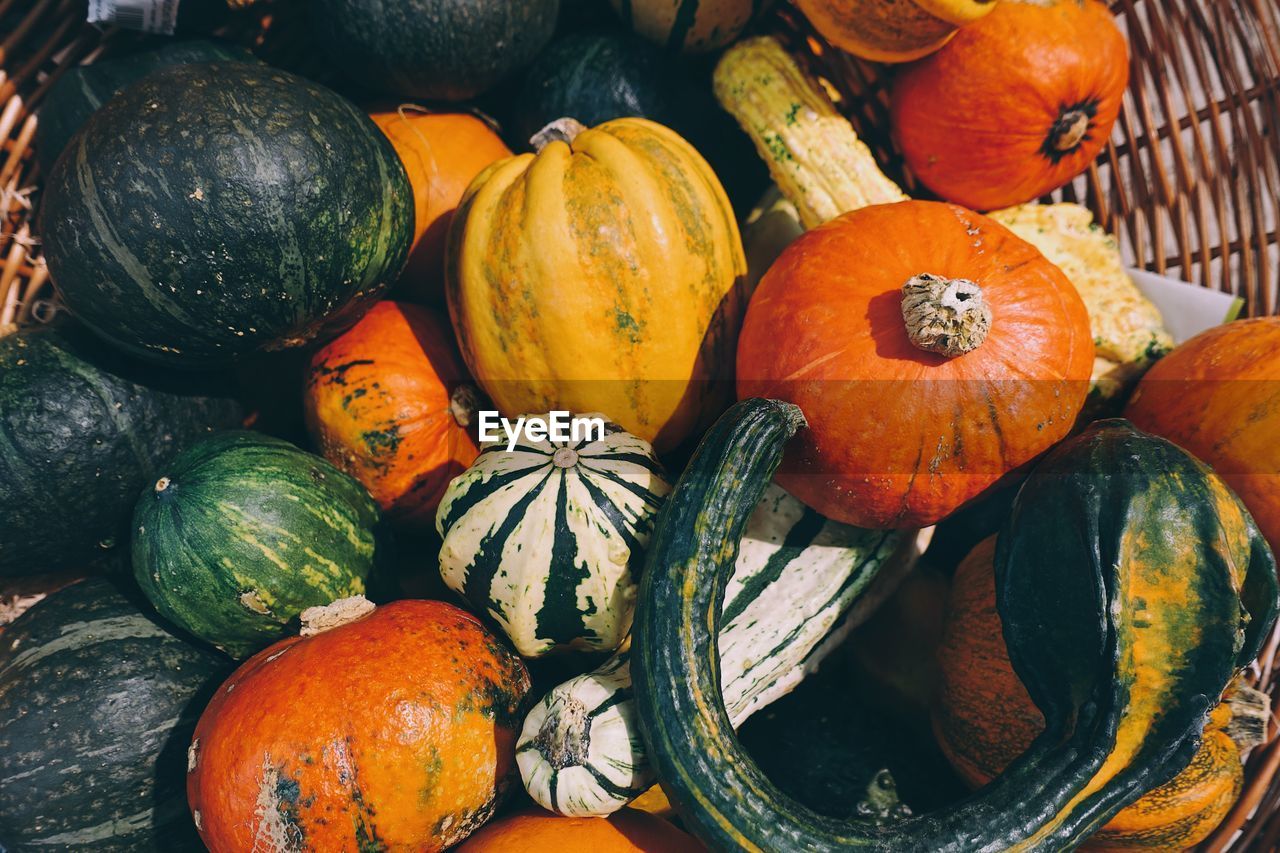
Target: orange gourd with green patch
391,729
626,831
983,719
1014,106
390,403
601,274
931,350
442,153
1218,395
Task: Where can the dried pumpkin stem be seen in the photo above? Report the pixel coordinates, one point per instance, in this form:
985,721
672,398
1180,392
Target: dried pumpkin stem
463,403
317,620
561,130
1070,129
948,316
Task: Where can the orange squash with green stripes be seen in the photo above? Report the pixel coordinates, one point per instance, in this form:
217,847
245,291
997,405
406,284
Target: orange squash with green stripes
601,274
983,719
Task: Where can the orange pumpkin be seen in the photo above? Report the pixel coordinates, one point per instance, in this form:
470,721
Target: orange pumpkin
1218,396
393,731
389,402
442,152
983,719
931,350
625,831
1017,104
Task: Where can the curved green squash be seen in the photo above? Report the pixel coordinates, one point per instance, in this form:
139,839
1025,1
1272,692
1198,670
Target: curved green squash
1124,668
243,532
97,706
448,50
544,539
801,584
79,92
216,209
81,431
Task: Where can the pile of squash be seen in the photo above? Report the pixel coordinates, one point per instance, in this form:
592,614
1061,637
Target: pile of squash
326,610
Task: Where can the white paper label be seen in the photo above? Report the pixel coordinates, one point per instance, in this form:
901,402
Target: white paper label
148,16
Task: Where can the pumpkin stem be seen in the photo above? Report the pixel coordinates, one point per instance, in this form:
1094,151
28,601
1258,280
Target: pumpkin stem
564,457
1074,125
317,620
1250,714
948,316
162,484
561,130
463,403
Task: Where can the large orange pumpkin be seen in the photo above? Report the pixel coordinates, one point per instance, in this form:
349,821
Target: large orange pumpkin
1014,106
393,731
983,719
1218,396
442,152
625,831
931,350
390,403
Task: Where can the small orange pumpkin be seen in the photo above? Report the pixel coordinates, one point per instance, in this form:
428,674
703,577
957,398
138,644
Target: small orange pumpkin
931,351
1017,104
390,403
983,719
392,730
442,152
1218,396
625,831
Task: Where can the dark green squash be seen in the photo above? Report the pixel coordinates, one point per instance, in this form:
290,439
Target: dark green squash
594,77
448,50
97,706
215,209
82,429
243,532
1108,520
79,92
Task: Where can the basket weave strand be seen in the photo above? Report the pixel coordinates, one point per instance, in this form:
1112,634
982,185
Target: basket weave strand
1190,181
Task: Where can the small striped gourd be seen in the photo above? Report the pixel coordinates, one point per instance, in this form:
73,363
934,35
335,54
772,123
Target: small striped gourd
546,539
1132,585
243,532
693,26
801,584
97,705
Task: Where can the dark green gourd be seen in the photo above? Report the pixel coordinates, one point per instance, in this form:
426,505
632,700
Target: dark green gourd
79,92
243,532
82,430
448,50
216,209
97,705
1132,584
594,77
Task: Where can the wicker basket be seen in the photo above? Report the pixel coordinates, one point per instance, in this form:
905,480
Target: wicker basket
1190,181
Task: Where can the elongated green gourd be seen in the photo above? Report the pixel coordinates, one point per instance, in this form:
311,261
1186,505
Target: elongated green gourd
1132,585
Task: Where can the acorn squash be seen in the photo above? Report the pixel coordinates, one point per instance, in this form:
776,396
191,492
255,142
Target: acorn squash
600,275
1132,585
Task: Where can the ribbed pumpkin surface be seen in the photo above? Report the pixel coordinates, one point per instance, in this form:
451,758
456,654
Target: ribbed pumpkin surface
97,705
600,276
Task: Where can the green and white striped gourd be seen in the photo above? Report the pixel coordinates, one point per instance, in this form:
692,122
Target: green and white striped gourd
547,538
801,583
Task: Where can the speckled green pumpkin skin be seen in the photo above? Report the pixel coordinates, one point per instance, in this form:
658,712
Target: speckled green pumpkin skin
97,705
81,431
243,532
82,90
448,50
215,209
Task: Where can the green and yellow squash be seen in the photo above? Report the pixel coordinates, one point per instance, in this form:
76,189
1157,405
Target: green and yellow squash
601,274
547,538
243,532
802,582
1132,585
